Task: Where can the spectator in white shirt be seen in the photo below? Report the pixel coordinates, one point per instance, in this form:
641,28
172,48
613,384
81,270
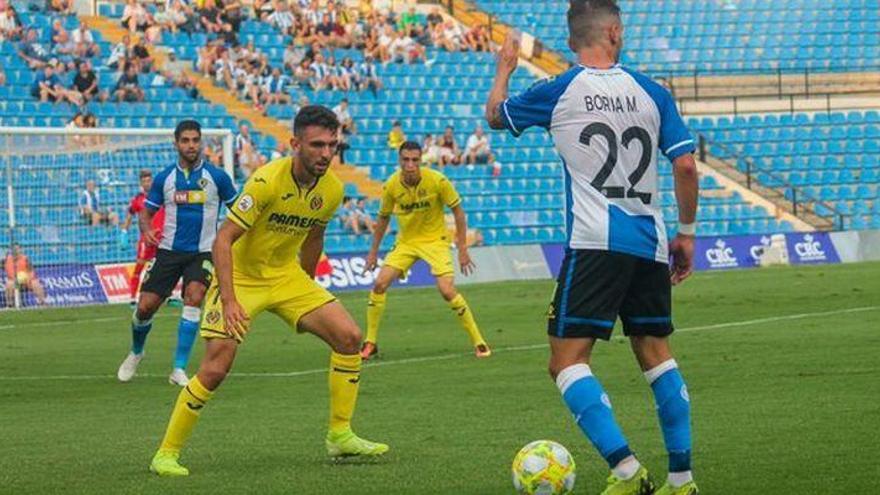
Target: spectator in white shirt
282,18
84,41
477,149
92,209
344,116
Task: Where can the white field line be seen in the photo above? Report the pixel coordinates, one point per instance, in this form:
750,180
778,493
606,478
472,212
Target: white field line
447,357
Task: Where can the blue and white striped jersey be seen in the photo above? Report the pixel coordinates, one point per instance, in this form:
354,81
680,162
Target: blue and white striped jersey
606,125
192,205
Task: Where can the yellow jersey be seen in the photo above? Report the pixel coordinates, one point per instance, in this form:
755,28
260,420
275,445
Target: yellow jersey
278,215
419,209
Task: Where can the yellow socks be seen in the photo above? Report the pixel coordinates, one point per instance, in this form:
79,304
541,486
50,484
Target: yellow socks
466,318
186,412
375,310
345,373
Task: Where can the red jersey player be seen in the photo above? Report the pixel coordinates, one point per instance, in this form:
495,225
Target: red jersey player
145,251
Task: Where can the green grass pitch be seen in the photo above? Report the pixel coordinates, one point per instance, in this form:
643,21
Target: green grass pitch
781,365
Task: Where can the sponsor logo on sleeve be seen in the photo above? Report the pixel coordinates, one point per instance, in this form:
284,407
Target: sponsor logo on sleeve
245,203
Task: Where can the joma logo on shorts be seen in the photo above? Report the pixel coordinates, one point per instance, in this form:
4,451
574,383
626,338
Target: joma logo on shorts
294,220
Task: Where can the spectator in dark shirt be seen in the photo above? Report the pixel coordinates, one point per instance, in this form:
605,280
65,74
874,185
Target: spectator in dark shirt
86,83
127,87
140,56
209,17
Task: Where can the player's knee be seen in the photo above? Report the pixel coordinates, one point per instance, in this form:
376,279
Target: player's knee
380,287
194,295
349,342
145,310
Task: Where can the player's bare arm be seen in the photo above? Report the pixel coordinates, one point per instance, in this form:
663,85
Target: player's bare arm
235,317
312,248
687,186
378,234
145,223
464,258
506,62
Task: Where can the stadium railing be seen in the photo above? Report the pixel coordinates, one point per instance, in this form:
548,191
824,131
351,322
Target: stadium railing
771,185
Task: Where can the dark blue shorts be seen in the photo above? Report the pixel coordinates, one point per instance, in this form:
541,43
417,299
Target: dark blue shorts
595,287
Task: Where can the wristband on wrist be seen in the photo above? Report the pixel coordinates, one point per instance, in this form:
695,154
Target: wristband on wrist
687,228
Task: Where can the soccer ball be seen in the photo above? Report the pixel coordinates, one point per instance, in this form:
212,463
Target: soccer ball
543,467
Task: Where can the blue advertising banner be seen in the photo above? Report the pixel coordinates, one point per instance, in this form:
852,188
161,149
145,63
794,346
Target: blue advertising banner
346,272
811,248
65,285
743,251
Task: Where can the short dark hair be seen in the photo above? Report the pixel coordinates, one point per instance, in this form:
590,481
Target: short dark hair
315,115
145,172
584,17
187,125
409,145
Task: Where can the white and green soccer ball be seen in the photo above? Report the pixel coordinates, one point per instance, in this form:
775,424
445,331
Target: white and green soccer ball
543,467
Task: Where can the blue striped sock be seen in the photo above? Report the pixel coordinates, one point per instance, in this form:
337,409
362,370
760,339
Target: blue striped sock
139,331
186,335
674,411
591,408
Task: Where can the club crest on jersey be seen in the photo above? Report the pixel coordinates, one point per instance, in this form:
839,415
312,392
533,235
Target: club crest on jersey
316,203
245,203
203,182
212,317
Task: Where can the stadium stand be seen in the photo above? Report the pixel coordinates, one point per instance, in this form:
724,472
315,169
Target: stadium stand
686,36
831,157
522,205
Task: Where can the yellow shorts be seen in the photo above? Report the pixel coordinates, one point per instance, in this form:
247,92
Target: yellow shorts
290,298
436,254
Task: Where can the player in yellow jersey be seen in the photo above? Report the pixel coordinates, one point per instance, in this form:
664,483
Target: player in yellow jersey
418,197
281,213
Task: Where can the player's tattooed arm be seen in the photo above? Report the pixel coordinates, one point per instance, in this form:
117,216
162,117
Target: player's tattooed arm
507,60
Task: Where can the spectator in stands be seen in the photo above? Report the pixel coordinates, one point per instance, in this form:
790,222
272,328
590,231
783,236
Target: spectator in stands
448,36
47,86
32,51
263,9
135,17
62,7
2,78
406,49
477,39
10,24
396,136
119,53
282,149
92,210
275,88
324,76
209,17
355,218
62,43
140,56
434,18
369,76
293,56
477,149
431,153
84,42
407,20
128,87
231,13
177,16
342,113
449,151
282,18
85,83
303,75
247,158
20,273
